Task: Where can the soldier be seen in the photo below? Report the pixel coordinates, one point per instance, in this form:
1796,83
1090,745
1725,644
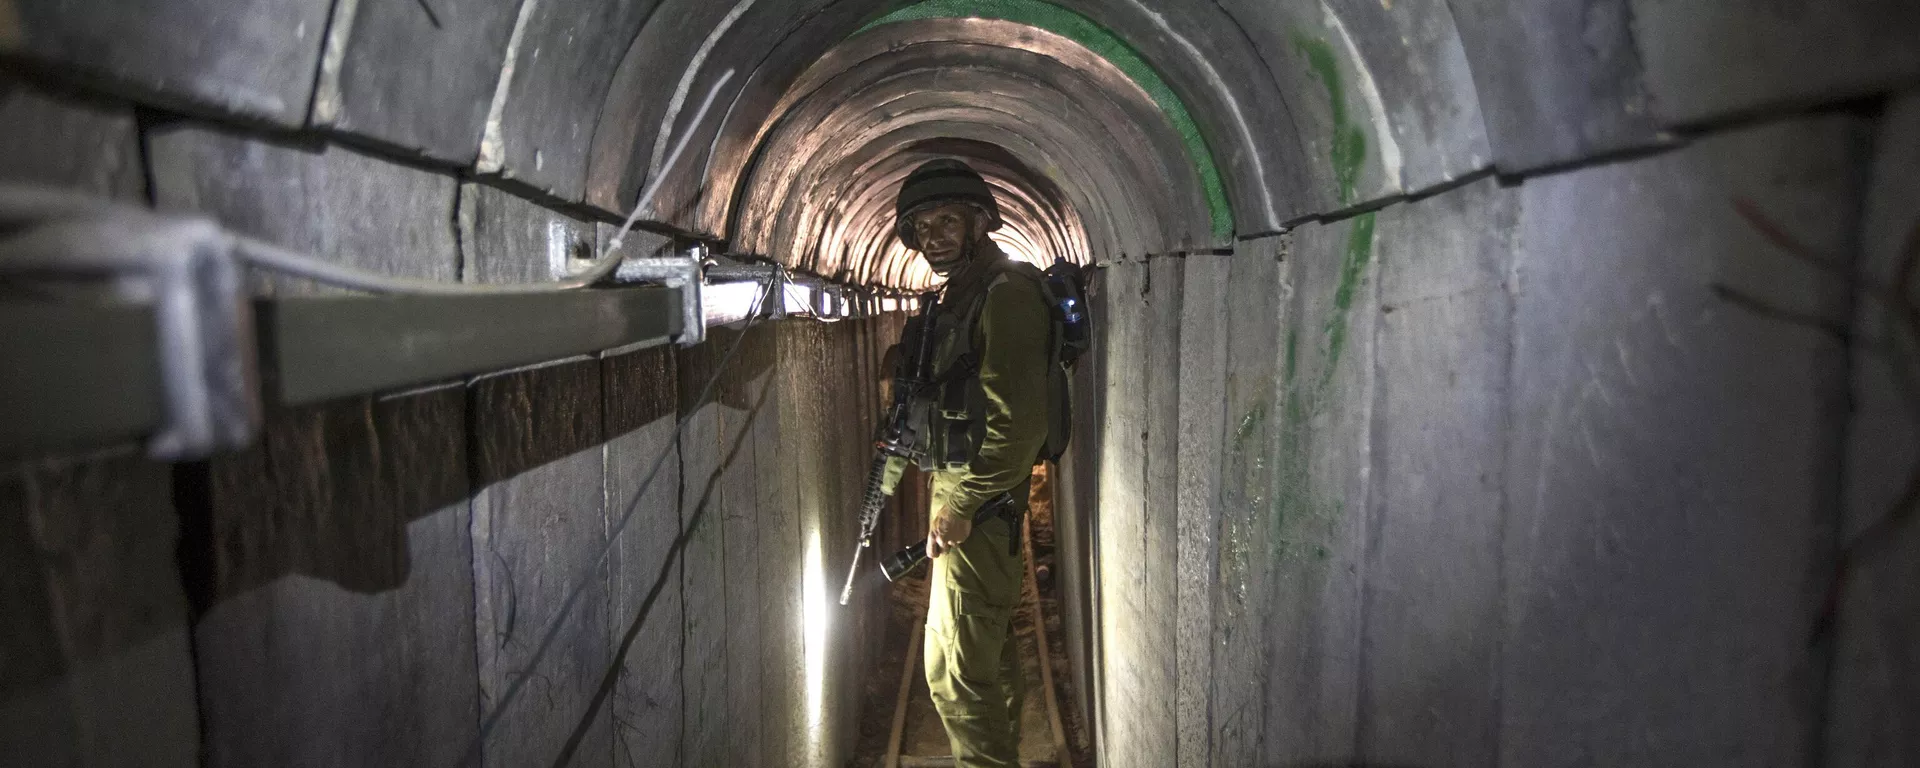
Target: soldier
988,419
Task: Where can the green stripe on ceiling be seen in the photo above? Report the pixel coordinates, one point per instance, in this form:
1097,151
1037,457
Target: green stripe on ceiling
1109,46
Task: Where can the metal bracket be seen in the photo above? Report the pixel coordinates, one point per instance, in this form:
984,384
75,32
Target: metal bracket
682,273
185,270
827,302
728,271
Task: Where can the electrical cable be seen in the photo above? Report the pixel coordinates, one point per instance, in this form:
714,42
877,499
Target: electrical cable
280,259
787,293
518,682
28,205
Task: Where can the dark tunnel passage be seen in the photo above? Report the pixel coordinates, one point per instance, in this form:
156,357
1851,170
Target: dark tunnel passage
1481,382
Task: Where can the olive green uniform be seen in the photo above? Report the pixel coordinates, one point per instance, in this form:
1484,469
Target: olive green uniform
972,659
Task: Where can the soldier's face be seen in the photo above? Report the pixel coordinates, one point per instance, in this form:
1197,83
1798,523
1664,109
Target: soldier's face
945,231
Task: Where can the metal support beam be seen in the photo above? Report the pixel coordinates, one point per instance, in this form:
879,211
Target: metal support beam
324,348
83,374
74,377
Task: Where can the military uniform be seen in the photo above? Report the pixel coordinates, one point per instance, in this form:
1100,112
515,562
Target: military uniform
972,659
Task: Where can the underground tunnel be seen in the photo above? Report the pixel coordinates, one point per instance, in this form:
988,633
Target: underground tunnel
494,382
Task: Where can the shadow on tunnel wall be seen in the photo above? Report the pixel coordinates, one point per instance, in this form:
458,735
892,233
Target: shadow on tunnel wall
329,491
698,365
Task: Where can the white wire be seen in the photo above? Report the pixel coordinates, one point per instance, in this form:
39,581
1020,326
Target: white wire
24,204
518,681
281,259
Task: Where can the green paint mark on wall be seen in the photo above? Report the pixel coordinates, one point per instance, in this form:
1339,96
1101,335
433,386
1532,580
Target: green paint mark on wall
1349,142
1109,46
1353,271
1302,518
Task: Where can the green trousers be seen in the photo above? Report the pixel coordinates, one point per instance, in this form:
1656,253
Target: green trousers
972,659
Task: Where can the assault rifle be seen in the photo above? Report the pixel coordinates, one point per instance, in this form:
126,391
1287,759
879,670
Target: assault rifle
899,440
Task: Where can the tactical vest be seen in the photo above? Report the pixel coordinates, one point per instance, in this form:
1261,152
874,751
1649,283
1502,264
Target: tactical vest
955,415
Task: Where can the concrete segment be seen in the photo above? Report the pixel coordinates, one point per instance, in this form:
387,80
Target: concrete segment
1431,605
1386,87
98,667
1424,85
505,238
743,395
780,587
1201,414
73,145
1725,58
1317,76
99,670
336,615
1557,82
658,73
643,568
327,201
417,75
1127,688
800,438
538,532
363,497
1076,503
539,511
541,126
702,571
1873,703
1316,517
253,58
1247,121
1673,454
1159,602
1259,293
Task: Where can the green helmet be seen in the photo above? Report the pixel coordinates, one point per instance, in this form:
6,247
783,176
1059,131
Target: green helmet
942,181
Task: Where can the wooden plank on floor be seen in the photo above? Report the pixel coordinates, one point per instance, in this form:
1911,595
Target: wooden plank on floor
1040,644
901,702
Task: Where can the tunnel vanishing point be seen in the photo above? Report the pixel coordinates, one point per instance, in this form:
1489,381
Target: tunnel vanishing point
1524,383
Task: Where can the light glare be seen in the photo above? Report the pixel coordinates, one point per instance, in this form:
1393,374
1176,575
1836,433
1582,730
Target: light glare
725,303
814,631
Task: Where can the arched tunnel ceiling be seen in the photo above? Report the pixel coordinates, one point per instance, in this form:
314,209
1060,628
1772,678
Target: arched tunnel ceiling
1164,126
1308,109
1057,90
1048,102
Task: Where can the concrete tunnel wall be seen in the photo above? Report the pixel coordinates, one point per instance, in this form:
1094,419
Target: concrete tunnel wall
1465,441
364,586
1498,477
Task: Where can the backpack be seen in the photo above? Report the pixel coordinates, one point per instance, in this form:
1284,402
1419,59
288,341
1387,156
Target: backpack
1070,334
1065,289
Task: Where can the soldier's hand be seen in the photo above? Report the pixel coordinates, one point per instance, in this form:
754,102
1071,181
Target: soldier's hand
949,530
